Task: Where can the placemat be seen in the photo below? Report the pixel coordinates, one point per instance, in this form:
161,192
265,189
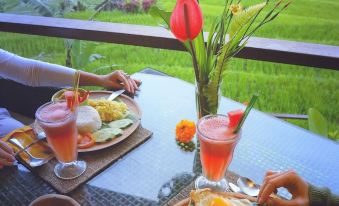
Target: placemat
184,193
96,162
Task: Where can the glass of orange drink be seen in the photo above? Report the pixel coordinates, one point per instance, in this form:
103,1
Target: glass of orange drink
59,125
217,143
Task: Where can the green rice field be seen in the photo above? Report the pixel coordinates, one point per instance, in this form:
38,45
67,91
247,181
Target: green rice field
282,88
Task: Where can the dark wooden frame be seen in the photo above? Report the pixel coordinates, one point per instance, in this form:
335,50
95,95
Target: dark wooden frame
263,49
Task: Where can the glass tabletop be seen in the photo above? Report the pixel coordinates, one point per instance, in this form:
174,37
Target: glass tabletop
157,170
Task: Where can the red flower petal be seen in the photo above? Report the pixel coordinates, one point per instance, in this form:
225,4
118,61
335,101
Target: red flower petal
186,20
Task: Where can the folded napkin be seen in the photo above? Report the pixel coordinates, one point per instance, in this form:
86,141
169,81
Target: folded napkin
25,136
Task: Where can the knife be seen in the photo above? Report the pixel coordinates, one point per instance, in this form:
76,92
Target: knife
115,94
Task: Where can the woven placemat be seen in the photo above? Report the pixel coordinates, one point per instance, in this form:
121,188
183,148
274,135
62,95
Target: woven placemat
184,193
96,162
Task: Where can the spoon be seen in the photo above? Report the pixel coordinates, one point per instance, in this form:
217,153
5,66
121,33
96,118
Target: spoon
248,186
33,161
234,188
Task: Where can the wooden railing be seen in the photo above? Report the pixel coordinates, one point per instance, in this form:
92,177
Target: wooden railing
263,49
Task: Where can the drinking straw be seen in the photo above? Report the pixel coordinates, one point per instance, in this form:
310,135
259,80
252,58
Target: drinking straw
247,111
75,90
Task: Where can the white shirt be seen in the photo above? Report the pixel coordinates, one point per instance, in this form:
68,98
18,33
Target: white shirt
34,73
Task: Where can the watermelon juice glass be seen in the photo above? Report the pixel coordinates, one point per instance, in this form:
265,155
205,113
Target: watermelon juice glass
59,125
217,143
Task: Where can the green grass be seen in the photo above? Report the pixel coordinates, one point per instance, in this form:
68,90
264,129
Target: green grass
282,88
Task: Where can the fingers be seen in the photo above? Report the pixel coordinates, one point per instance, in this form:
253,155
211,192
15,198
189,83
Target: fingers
270,172
131,85
123,78
6,147
273,182
138,82
6,157
130,81
135,86
118,80
6,162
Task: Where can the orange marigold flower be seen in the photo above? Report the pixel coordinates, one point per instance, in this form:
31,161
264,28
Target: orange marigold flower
185,131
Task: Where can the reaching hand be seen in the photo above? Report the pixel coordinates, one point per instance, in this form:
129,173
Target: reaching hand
289,180
6,155
118,80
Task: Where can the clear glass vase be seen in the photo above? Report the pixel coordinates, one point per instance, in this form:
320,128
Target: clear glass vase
207,101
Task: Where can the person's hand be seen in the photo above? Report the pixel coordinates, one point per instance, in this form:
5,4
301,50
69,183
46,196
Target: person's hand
6,155
118,80
289,180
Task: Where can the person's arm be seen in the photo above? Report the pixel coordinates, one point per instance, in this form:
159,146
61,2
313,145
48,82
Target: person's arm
322,197
116,80
34,73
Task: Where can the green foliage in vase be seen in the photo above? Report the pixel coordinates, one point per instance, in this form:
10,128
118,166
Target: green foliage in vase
210,60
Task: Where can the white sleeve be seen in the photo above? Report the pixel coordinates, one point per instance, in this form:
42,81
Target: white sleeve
34,73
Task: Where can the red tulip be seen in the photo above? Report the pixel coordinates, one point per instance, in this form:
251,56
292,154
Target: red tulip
186,20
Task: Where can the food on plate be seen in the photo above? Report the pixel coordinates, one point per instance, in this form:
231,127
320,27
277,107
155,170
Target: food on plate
120,124
106,134
109,110
85,141
88,119
60,95
206,197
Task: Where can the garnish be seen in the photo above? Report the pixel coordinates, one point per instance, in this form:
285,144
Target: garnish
235,118
121,124
106,134
247,111
85,141
69,95
185,131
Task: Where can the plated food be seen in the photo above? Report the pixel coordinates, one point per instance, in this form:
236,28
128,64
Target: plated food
102,123
206,197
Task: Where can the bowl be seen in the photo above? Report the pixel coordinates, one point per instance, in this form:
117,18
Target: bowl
54,200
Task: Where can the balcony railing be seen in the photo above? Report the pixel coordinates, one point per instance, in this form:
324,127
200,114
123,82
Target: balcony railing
263,49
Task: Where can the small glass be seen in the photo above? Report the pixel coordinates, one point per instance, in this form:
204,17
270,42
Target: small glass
59,125
217,145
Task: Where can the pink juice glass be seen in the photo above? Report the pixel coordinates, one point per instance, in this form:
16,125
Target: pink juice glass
217,144
59,125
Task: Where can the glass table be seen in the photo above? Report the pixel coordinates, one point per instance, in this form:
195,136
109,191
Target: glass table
157,170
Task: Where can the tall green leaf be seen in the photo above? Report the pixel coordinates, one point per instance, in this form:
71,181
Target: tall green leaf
240,20
317,122
238,27
158,13
200,51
